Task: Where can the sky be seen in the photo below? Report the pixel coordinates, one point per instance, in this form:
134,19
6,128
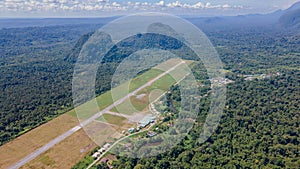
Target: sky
103,8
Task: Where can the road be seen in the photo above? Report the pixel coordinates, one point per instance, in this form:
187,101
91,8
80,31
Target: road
95,161
86,122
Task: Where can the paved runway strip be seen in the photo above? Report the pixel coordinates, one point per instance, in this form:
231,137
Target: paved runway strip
86,122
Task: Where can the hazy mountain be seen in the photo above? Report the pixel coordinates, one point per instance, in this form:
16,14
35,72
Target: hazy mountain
287,18
45,22
291,16
295,6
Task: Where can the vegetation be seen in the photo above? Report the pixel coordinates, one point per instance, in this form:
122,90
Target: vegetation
260,124
84,163
259,129
37,67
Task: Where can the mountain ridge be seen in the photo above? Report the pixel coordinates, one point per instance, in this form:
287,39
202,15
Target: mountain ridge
291,16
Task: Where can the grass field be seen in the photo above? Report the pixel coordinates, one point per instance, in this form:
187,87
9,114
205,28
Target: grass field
132,105
13,151
112,119
152,92
143,78
65,154
88,109
71,150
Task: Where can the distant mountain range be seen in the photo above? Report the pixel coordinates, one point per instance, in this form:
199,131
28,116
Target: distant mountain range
45,22
291,16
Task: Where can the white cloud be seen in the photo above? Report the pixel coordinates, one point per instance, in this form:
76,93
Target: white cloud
161,3
198,5
106,6
208,5
174,4
115,4
226,6
62,1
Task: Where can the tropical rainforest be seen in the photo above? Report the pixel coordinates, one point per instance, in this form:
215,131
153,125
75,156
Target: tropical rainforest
260,123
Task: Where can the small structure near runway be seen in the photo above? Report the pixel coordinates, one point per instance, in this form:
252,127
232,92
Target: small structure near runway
101,150
131,130
146,121
151,134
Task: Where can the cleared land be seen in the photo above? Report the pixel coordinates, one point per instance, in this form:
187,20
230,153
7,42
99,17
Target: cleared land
90,108
163,82
58,156
65,154
137,104
118,123
71,150
13,151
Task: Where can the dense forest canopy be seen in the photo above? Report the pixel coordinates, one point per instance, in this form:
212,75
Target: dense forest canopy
259,128
260,125
35,78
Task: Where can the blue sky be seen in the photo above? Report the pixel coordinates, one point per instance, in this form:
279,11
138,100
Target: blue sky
100,8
